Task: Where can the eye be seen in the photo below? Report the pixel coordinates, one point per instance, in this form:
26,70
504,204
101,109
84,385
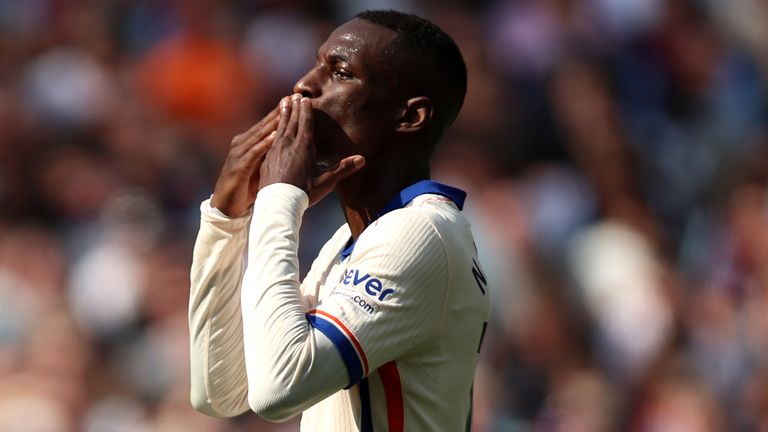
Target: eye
342,74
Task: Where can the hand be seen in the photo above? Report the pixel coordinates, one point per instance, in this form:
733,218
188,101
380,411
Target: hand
292,157
238,182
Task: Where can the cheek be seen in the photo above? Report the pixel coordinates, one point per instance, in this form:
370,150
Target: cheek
336,131
344,111
349,122
342,107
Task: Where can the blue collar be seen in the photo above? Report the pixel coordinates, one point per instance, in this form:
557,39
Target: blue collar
424,187
409,193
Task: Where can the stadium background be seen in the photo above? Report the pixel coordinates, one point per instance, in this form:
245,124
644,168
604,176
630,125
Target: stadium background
616,158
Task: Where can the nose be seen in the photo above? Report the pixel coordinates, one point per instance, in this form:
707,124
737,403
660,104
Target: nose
308,85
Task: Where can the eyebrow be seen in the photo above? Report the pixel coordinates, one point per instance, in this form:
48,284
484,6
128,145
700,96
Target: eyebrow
335,56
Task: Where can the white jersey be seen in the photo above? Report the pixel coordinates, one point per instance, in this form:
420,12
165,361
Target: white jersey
383,334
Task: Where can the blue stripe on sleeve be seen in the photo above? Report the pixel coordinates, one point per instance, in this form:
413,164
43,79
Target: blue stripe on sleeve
342,344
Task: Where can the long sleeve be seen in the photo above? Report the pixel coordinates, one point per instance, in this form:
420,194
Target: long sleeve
389,302
290,366
218,378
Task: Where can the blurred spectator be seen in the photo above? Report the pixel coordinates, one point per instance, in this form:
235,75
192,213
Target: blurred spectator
678,403
581,401
614,152
280,47
109,279
620,286
68,89
197,76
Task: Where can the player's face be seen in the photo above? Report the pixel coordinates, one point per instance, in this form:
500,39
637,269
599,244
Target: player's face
351,89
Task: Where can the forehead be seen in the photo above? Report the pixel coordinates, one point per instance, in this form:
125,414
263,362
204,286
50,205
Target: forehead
358,38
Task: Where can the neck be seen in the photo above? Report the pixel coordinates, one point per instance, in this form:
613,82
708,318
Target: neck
365,194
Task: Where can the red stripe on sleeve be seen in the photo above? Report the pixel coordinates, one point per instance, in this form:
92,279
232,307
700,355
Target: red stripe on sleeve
349,333
393,392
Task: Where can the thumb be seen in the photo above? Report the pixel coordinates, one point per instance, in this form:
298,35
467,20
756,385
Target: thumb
346,168
325,182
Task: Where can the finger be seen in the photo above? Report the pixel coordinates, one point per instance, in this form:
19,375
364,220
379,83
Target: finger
274,113
271,118
260,148
247,142
293,122
328,180
265,130
285,111
306,122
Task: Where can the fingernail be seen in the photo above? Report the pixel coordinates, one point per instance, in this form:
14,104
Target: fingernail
284,102
296,97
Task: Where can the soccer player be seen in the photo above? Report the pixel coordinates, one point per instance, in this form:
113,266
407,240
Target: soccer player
383,333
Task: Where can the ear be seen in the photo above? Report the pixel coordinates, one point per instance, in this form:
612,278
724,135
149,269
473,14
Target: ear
416,115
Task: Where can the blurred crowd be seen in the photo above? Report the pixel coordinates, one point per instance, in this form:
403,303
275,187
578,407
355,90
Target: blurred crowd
615,153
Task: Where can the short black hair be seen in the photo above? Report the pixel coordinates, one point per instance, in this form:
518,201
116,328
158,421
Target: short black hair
423,39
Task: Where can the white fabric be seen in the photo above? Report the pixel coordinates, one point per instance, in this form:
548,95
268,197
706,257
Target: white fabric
406,309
